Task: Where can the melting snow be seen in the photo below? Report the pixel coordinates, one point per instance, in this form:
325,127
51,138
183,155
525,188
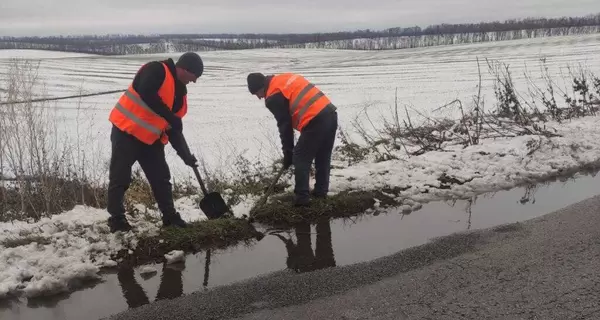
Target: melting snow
147,270
493,165
69,247
175,256
74,245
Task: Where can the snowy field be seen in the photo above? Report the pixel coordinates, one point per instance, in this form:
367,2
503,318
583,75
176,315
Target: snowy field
224,117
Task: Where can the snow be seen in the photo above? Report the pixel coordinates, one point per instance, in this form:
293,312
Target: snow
255,40
244,206
493,165
224,120
189,210
147,270
75,246
175,256
39,54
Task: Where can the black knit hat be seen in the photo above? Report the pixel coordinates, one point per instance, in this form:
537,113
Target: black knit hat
191,62
256,81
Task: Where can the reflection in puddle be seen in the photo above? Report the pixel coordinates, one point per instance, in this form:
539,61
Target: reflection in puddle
304,248
300,256
171,285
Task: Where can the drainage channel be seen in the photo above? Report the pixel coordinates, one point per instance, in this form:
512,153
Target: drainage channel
306,248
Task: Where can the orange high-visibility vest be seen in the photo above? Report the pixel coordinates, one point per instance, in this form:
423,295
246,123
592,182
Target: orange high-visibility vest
132,115
306,100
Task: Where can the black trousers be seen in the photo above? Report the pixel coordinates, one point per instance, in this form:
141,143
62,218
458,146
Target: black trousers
126,150
315,143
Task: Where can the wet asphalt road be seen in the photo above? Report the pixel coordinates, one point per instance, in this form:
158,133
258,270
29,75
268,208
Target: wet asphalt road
546,268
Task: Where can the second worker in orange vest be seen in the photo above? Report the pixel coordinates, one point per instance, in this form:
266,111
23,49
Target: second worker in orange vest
145,118
298,104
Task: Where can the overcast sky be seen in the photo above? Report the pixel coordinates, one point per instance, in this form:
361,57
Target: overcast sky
52,17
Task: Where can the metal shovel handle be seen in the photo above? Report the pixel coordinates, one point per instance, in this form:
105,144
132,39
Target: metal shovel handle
271,187
200,181
186,148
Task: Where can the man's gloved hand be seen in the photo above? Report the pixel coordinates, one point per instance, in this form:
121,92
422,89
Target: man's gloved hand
287,159
189,160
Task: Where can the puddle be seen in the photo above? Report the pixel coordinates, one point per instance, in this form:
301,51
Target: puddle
305,248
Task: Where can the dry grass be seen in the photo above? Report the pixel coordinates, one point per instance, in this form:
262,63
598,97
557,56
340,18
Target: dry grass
42,172
407,132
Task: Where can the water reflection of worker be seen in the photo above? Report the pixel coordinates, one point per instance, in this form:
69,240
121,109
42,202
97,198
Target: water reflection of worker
171,285
301,257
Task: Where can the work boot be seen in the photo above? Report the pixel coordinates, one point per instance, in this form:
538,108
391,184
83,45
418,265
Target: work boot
301,201
318,195
118,223
173,220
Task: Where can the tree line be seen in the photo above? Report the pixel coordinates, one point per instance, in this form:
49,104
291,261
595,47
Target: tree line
391,38
405,42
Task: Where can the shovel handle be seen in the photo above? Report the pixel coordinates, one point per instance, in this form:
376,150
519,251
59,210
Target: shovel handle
187,150
271,187
200,181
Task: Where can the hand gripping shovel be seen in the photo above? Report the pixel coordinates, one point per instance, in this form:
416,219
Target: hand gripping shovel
213,205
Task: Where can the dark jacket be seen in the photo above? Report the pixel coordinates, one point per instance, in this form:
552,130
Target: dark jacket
278,104
147,82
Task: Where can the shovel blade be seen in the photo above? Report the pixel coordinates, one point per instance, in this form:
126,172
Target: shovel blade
213,205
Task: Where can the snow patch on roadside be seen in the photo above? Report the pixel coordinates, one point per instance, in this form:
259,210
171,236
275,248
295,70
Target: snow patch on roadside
55,254
494,164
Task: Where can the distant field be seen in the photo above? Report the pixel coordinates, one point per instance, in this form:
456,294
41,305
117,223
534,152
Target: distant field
39,54
223,115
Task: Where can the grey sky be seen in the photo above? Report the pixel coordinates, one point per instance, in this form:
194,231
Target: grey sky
51,17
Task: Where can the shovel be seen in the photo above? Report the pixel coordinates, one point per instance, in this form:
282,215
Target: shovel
263,200
213,205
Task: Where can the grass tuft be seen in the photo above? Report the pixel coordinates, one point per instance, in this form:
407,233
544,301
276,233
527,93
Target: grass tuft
344,204
199,235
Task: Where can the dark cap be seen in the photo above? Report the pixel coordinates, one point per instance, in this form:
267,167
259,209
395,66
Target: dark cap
191,62
256,81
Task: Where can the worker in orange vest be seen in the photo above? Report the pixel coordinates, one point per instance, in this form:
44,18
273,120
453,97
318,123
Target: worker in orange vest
145,118
298,104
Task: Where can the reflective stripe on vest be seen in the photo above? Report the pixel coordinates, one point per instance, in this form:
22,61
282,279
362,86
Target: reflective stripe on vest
138,101
306,100
132,115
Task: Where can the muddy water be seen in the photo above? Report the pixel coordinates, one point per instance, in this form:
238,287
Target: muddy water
305,248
